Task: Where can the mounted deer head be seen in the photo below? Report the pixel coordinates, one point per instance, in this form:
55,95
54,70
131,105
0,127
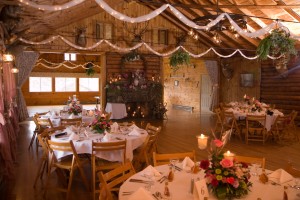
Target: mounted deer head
80,38
137,31
180,39
227,72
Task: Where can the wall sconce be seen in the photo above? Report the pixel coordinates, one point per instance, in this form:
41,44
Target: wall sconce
14,70
7,58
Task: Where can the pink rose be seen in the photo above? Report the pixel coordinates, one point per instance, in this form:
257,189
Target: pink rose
236,184
218,143
226,163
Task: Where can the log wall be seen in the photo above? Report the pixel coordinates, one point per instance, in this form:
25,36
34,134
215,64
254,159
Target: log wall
283,92
231,90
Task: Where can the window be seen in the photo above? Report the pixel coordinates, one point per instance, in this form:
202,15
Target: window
40,84
88,84
163,37
103,31
63,84
70,56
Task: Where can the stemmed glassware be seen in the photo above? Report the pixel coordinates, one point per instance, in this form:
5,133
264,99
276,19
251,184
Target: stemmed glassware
174,162
256,166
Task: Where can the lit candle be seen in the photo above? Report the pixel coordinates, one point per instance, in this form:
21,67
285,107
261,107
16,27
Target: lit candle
228,155
91,113
202,141
245,96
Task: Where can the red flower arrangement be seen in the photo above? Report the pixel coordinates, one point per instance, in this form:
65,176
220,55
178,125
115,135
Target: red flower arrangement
100,125
74,108
226,178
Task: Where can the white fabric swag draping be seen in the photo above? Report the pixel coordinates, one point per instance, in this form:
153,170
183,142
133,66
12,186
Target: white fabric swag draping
25,62
213,72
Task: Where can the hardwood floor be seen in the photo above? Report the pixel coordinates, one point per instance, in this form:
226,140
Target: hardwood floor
178,135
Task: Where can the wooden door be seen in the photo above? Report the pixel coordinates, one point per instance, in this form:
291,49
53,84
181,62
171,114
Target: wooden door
206,89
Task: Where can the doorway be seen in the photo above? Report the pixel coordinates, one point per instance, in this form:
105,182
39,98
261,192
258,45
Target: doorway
205,93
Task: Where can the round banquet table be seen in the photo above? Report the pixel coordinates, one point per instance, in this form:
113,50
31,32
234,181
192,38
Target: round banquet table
85,145
180,187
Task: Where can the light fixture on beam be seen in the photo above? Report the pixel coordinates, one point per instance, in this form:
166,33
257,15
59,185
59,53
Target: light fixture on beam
7,57
217,38
14,70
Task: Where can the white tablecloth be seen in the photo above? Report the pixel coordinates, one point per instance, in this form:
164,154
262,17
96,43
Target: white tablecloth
180,187
241,114
85,146
118,110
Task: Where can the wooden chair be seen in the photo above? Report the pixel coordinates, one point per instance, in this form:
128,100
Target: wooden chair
162,159
255,128
65,164
101,164
230,122
252,160
41,125
292,170
219,120
145,153
153,130
112,180
43,137
280,128
70,122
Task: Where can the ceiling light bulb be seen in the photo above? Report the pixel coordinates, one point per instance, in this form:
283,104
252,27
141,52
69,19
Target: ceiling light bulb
196,37
191,32
236,35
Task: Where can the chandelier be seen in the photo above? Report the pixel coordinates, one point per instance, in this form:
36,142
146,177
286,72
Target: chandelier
222,25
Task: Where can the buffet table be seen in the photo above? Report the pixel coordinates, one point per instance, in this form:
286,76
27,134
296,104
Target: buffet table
118,110
180,187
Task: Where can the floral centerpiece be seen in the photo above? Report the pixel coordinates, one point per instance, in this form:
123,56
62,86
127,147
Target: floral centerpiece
247,99
100,124
225,178
257,106
74,108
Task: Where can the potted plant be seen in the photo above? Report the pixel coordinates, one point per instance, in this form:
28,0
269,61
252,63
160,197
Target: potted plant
277,43
179,57
89,69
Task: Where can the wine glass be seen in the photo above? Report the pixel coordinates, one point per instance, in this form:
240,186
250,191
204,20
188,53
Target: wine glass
173,162
256,166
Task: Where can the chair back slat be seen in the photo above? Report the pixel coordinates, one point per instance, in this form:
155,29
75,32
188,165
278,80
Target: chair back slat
162,159
252,160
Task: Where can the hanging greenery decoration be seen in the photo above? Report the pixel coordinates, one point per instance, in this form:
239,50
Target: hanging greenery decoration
277,43
178,58
90,69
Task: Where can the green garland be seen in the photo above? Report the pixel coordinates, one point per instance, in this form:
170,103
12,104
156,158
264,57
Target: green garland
179,58
277,43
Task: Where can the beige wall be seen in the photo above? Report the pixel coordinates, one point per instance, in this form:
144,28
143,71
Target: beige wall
187,93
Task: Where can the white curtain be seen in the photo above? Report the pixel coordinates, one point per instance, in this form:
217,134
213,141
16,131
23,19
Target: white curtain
25,61
213,72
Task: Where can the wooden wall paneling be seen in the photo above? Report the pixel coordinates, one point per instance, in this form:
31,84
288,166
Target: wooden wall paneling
187,93
283,92
231,90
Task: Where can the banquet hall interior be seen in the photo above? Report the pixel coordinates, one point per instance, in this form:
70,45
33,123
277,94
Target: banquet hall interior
90,88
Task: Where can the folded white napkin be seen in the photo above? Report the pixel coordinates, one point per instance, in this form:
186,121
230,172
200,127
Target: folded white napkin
71,116
151,171
280,176
135,132
74,136
187,164
114,127
141,193
133,126
107,137
48,114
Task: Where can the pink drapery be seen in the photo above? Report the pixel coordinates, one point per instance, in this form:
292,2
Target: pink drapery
10,127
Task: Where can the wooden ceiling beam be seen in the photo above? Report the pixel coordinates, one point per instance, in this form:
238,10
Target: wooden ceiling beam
214,6
289,11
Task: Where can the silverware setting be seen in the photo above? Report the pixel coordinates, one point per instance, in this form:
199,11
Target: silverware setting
127,193
162,179
139,181
155,196
176,167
